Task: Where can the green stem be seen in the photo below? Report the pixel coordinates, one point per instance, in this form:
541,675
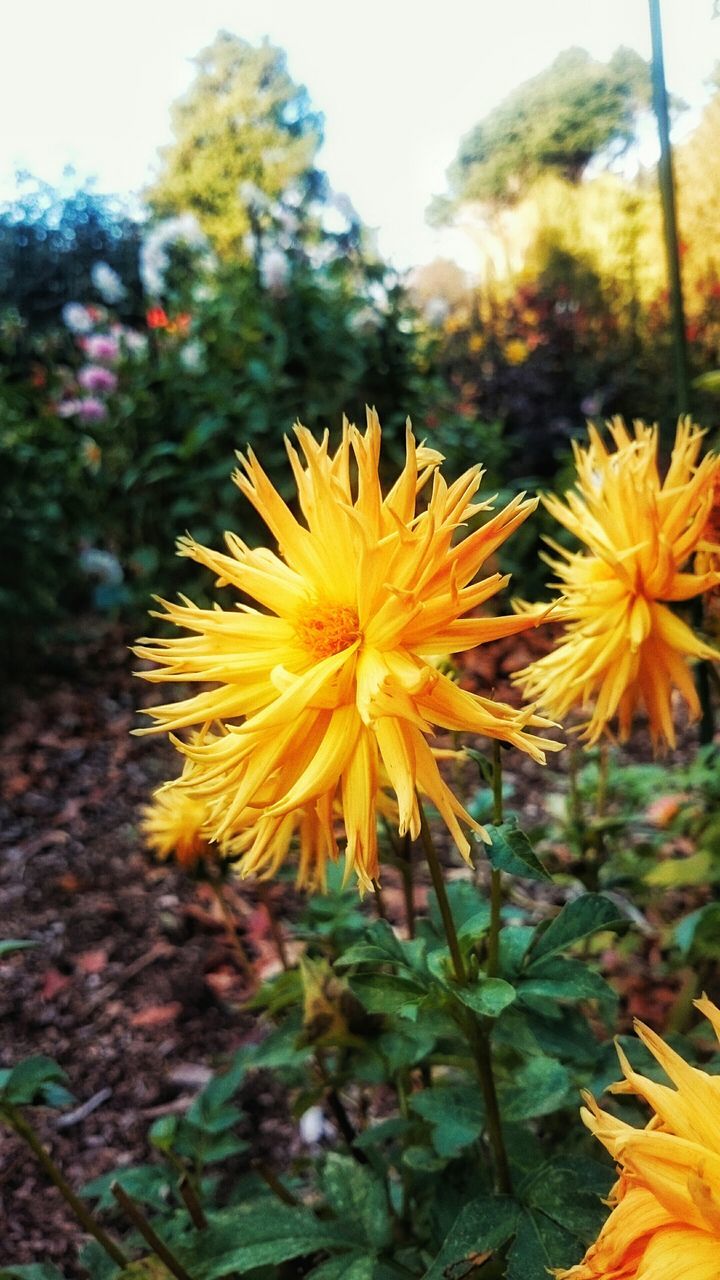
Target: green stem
276,1186
495,875
438,881
135,1215
379,901
231,930
406,871
475,1029
192,1202
602,782
24,1130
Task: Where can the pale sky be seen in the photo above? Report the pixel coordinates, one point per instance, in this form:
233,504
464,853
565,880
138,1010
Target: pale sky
90,84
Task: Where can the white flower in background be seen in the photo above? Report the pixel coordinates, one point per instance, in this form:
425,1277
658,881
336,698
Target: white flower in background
68,408
192,356
108,283
77,318
274,271
436,311
203,293
154,258
100,564
364,319
136,344
314,1127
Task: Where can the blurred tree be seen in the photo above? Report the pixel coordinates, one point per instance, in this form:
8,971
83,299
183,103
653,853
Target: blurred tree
244,132
49,243
697,167
559,121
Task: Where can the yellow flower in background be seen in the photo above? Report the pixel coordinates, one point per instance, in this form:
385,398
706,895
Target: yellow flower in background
623,646
174,825
332,676
516,351
665,1220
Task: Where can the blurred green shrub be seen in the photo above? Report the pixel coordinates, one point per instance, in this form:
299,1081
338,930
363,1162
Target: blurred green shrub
119,436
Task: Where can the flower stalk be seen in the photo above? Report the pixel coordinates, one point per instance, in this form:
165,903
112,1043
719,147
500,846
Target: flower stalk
22,1127
475,1029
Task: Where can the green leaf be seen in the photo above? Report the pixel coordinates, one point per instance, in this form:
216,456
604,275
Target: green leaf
699,933
586,915
513,946
252,1235
539,1245
423,1159
482,1225
466,901
149,1184
484,764
34,1271
36,1080
540,1086
678,873
346,1267
708,381
385,992
382,947
510,850
150,1268
357,1197
488,997
405,1045
558,978
456,1114
569,1191
383,1131
9,945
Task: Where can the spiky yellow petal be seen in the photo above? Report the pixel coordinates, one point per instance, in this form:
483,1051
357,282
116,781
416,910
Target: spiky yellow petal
326,675
665,1220
623,647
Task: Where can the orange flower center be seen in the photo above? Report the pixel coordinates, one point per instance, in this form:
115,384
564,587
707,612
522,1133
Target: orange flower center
325,629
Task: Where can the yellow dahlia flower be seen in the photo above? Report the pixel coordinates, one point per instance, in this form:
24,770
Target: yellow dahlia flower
665,1220
174,825
332,676
623,646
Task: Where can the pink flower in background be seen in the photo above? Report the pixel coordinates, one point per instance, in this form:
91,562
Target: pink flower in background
102,347
68,408
91,409
98,379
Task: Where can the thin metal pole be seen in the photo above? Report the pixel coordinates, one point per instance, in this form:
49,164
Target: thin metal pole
667,193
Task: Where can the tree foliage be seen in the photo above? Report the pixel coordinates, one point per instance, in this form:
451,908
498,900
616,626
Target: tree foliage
559,121
50,241
243,126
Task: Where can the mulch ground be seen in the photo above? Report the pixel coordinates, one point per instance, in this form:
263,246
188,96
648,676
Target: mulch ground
133,987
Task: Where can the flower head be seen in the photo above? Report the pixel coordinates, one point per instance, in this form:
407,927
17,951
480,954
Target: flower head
623,646
90,409
174,825
77,318
102,347
108,283
332,675
96,378
665,1219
